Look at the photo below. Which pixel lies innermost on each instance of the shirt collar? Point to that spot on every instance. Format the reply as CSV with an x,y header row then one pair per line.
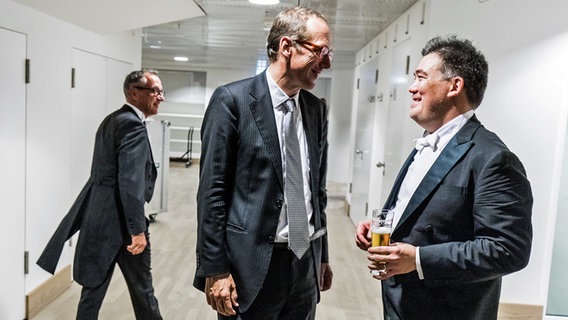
x,y
450,128
277,95
139,113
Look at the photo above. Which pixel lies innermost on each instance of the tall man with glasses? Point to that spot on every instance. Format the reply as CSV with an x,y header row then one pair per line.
x,y
262,244
109,211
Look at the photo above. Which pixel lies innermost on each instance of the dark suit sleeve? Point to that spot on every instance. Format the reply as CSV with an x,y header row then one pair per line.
x,y
501,219
133,152
322,191
217,170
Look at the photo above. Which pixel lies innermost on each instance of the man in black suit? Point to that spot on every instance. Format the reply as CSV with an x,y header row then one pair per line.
x,y
109,211
462,202
244,202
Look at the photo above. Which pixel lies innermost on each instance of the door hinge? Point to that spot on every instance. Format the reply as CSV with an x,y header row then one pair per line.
x,y
27,72
376,76
350,186
26,262
72,78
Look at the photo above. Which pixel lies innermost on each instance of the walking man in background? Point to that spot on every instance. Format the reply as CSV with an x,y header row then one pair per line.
x,y
109,211
462,202
262,245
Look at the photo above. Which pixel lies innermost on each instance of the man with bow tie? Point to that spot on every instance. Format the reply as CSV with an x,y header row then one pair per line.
x,y
462,202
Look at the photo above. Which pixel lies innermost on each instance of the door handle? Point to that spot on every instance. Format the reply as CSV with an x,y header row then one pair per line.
x,y
359,151
382,165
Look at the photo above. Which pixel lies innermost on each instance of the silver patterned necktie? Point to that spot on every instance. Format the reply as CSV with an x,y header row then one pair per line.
x,y
294,186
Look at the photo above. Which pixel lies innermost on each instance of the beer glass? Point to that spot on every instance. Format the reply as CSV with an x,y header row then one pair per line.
x,y
381,225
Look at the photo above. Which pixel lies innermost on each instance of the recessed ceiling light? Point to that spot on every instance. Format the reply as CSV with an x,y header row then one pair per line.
x,y
181,59
155,47
264,2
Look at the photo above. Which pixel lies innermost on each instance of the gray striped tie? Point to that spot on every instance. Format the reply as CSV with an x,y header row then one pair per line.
x,y
294,186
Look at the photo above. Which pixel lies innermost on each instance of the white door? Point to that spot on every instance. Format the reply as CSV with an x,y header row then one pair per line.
x,y
92,99
12,173
400,129
364,127
378,168
88,96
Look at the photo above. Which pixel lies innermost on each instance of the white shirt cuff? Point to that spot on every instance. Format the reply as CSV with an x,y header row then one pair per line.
x,y
418,266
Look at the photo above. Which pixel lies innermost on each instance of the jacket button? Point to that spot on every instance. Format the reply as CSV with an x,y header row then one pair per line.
x,y
278,204
271,239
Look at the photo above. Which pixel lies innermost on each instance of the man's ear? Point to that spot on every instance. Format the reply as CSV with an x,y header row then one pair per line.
x,y
286,45
456,86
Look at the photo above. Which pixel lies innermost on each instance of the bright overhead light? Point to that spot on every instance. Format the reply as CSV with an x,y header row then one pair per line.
x,y
181,59
264,2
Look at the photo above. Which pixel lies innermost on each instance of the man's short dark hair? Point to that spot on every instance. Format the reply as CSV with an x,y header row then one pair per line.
x,y
291,23
136,77
460,58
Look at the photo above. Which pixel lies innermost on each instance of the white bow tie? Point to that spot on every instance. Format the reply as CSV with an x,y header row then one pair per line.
x,y
428,141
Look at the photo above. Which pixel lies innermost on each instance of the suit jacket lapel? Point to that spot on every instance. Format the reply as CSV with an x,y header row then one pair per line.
x,y
309,122
452,153
263,114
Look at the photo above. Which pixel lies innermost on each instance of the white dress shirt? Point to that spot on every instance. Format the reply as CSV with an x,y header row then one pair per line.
x,y
278,97
423,161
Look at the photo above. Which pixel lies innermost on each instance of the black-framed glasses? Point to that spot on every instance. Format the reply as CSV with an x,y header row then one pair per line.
x,y
318,51
155,91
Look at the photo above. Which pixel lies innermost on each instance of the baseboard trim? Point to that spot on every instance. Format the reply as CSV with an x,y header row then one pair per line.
x,y
48,291
521,311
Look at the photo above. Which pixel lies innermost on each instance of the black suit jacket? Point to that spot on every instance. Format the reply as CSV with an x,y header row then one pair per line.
x,y
471,218
241,192
110,207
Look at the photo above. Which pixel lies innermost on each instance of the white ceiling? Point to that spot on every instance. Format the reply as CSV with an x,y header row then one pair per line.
x,y
112,16
233,33
221,34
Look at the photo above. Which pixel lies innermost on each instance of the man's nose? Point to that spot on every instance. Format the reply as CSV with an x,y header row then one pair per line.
x,y
325,62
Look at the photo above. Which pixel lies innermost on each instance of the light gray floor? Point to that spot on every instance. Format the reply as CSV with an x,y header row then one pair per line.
x,y
354,294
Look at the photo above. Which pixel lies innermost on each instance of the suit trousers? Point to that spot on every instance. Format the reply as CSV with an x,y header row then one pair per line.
x,y
137,274
288,292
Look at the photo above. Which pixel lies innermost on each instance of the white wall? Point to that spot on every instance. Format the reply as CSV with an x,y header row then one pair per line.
x,y
48,144
339,153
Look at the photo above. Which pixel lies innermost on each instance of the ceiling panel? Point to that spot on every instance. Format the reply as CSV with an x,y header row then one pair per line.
x,y
233,33
112,16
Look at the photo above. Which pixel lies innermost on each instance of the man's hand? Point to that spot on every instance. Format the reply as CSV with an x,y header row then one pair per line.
x,y
326,276
398,258
363,236
221,294
138,244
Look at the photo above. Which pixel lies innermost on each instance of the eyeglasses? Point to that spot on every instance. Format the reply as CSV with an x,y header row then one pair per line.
x,y
318,51
155,91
